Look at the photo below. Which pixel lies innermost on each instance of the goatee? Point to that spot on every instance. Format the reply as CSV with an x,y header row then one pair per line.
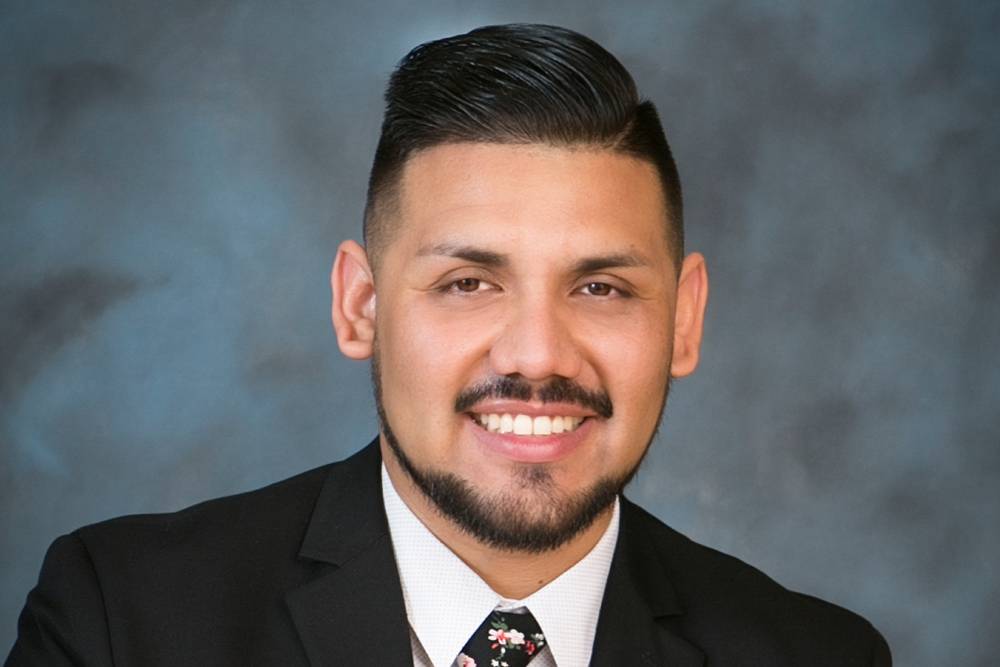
x,y
534,516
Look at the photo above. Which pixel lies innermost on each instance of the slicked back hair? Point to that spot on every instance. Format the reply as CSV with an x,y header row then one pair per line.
x,y
514,84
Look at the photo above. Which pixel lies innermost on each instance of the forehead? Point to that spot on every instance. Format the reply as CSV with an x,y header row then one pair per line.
x,y
529,194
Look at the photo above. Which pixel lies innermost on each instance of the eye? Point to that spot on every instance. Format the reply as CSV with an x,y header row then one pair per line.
x,y
599,289
468,285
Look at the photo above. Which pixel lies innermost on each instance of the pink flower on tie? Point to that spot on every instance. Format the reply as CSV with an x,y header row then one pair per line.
x,y
465,661
499,637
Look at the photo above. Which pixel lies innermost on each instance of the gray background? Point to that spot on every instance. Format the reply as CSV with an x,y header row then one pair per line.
x,y
174,179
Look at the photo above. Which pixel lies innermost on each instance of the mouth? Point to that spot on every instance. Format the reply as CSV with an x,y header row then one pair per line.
x,y
529,433
526,425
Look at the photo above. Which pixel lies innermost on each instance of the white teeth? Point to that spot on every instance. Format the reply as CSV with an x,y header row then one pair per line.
x,y
522,425
526,424
506,424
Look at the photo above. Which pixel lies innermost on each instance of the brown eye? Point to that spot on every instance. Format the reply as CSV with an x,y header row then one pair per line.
x,y
599,289
467,284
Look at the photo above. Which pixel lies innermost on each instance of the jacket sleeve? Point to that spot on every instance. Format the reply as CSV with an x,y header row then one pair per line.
x,y
63,621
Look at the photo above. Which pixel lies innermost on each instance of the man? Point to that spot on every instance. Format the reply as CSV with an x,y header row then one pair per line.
x,y
525,300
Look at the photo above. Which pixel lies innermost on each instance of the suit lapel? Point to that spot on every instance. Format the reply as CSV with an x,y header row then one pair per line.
x,y
640,608
352,611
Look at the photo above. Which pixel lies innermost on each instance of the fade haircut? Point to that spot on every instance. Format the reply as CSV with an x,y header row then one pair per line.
x,y
514,84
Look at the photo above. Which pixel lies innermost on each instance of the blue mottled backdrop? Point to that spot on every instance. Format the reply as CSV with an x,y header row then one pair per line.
x,y
175,177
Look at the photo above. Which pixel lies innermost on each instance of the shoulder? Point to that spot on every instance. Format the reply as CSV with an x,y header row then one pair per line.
x,y
222,539
275,515
257,536
130,586
730,604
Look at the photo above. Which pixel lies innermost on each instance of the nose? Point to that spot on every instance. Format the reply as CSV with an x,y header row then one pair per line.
x,y
536,341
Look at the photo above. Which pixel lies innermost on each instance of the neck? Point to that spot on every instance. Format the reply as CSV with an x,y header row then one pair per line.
x,y
512,574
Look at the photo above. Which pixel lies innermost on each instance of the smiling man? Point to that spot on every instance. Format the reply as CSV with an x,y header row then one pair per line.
x,y
525,299
524,329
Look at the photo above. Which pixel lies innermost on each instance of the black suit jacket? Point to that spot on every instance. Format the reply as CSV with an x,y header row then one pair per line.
x,y
302,573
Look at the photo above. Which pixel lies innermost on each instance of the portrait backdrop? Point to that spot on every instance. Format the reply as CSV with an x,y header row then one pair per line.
x,y
175,178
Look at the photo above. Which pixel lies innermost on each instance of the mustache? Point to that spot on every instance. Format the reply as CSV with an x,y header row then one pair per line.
x,y
556,390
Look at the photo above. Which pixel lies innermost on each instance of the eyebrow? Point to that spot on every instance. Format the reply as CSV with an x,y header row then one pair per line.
x,y
591,264
466,252
498,260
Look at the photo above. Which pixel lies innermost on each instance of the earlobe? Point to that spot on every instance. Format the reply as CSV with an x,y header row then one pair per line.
x,y
689,316
353,310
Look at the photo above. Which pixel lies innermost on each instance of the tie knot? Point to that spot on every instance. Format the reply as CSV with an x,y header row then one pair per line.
x,y
505,639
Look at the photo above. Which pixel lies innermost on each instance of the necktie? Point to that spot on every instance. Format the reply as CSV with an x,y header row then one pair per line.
x,y
505,639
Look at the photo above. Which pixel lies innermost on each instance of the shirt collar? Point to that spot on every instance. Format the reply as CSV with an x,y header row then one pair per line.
x,y
446,601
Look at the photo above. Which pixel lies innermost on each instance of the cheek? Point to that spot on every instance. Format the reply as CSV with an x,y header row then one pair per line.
x,y
634,364
637,340
427,359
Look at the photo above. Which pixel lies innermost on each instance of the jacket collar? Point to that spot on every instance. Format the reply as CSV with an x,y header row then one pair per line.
x,y
641,607
352,611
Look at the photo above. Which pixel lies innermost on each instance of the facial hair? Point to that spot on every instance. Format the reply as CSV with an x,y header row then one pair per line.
x,y
538,517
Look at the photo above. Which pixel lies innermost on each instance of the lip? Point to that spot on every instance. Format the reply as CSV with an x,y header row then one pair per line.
x,y
533,448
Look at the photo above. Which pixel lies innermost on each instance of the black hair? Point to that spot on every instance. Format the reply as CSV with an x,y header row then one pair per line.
x,y
514,84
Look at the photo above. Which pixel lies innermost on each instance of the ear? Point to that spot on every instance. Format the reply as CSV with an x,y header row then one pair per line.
x,y
689,315
353,286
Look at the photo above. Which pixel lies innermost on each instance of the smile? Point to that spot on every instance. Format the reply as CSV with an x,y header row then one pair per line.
x,y
526,424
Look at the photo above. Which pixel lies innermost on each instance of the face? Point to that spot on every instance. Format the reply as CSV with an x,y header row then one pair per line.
x,y
523,323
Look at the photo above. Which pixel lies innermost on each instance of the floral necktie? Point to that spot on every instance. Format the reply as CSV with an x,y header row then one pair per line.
x,y
505,639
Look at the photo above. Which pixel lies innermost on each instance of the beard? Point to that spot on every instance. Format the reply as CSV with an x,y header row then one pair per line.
x,y
530,515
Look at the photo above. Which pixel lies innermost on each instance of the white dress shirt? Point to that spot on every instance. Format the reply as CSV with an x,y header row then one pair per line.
x,y
446,601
